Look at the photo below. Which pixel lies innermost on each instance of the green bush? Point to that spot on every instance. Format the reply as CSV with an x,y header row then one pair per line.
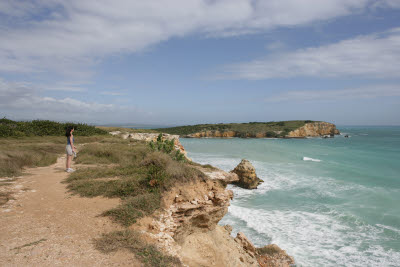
x,y
167,146
9,128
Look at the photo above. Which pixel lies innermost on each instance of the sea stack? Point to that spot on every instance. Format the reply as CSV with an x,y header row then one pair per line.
x,y
247,175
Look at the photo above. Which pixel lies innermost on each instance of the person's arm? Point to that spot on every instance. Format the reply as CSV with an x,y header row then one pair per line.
x,y
71,141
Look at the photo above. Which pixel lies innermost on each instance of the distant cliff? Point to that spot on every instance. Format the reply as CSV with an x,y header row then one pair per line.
x,y
315,129
282,129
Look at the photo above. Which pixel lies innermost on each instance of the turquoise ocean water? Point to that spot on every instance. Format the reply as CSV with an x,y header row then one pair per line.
x,y
327,202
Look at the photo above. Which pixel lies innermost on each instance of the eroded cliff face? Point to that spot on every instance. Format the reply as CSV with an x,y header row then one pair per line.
x,y
187,226
315,129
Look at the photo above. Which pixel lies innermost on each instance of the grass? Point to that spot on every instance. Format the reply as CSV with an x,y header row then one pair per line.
x,y
125,169
242,129
132,241
35,151
136,174
134,208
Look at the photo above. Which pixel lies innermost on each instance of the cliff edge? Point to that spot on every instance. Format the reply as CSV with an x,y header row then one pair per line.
x,y
282,129
315,129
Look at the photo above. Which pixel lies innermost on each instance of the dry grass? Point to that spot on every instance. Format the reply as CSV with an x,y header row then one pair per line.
x,y
132,241
37,151
142,174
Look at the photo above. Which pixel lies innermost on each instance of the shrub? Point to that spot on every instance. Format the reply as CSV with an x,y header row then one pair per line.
x,y
271,134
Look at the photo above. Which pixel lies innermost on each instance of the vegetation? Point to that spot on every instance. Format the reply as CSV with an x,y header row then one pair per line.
x,y
138,174
22,152
111,167
167,146
133,172
9,128
270,129
128,239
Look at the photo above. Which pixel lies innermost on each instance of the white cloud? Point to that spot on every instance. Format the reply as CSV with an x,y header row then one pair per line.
x,y
70,36
367,92
20,101
373,56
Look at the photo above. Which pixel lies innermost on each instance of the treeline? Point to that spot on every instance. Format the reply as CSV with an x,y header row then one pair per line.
x,y
10,128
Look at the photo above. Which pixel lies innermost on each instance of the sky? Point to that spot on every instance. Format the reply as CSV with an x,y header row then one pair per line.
x,y
181,62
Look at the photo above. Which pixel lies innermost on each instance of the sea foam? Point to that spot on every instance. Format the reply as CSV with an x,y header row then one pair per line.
x,y
311,159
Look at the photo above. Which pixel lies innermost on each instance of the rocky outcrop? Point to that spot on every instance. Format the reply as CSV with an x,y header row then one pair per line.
x,y
220,175
272,255
225,134
187,226
314,129
247,175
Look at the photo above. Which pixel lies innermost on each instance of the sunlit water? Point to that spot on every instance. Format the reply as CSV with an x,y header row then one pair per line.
x,y
339,207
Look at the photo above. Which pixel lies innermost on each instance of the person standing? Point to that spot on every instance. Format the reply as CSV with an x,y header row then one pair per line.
x,y
70,148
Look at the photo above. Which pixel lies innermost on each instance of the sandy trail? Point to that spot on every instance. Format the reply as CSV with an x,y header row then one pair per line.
x,y
47,226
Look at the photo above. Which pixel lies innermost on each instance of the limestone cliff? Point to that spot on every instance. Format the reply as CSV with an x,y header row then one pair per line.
x,y
315,129
312,129
187,226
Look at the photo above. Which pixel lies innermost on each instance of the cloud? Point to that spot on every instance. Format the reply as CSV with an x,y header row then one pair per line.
x,y
69,37
372,56
23,102
368,92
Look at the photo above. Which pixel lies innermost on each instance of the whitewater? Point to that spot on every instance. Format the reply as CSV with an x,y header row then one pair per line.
x,y
327,202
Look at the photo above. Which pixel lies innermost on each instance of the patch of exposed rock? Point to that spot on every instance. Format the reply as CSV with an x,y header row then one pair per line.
x,y
218,174
247,175
314,129
272,255
187,226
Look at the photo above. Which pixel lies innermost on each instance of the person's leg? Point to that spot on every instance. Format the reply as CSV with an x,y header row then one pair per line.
x,y
69,161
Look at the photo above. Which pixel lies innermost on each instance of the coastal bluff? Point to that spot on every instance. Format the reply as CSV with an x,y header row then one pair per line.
x,y
281,129
186,226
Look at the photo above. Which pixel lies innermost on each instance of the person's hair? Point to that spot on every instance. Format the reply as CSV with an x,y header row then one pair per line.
x,y
68,130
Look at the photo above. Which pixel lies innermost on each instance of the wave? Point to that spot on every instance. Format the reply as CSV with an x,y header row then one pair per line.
x,y
311,159
389,228
316,239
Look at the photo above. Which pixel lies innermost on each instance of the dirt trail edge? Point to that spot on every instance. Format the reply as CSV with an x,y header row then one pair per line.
x,y
46,226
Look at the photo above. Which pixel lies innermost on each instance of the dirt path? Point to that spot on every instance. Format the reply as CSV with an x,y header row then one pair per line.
x,y
46,226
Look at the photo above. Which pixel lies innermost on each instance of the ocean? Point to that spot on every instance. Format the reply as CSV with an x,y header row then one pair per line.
x,y
327,202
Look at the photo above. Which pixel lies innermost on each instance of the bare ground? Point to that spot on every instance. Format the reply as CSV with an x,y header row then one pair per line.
x,y
44,225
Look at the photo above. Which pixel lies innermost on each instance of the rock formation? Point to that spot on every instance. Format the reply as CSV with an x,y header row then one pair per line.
x,y
312,129
247,175
315,129
187,227
272,255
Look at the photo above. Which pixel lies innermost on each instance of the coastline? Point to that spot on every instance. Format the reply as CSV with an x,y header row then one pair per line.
x,y
187,225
